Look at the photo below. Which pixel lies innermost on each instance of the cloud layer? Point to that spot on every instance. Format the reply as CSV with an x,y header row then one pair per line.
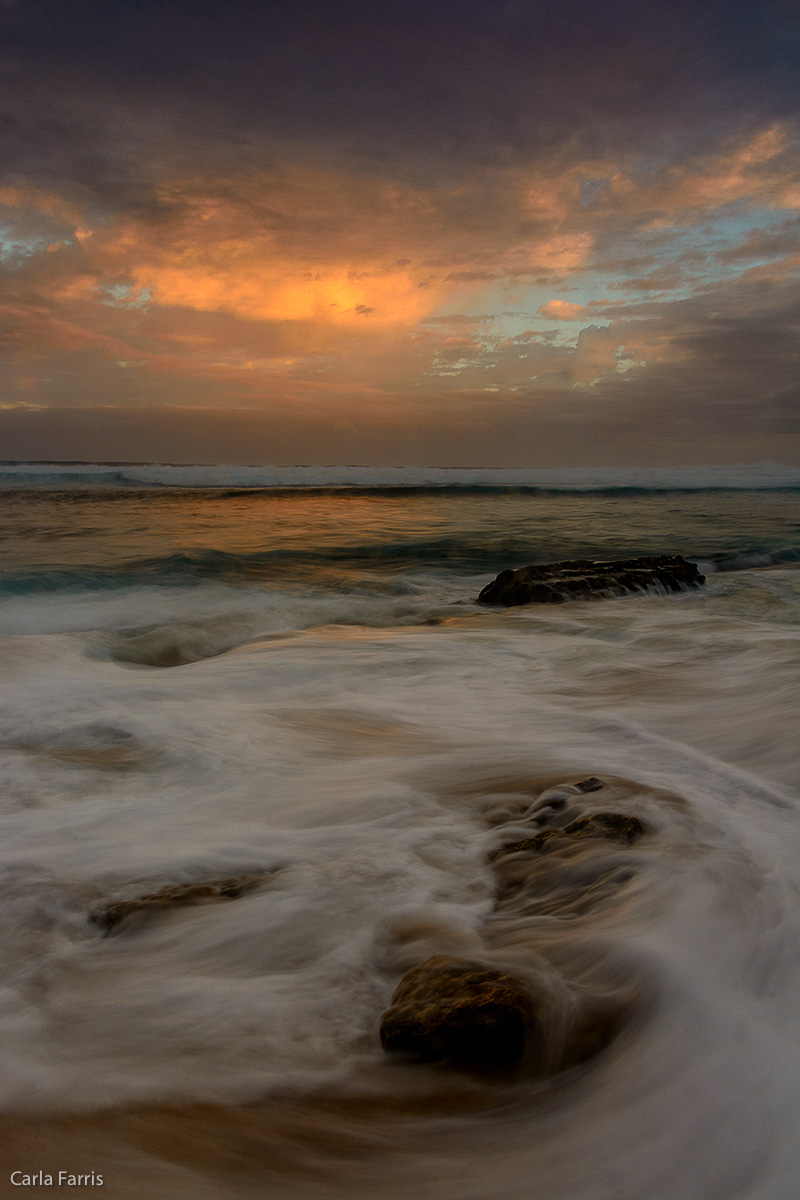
x,y
457,234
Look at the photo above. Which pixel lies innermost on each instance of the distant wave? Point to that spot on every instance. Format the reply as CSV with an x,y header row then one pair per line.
x,y
78,476
748,559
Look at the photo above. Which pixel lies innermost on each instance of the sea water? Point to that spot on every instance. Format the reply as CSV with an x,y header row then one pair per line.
x,y
217,672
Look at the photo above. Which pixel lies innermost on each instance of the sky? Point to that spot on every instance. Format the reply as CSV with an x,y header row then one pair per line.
x,y
529,233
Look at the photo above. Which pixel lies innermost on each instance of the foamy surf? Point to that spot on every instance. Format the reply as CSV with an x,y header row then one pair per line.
x,y
363,749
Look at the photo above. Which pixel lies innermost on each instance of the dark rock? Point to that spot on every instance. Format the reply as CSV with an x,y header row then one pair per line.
x,y
613,827
576,579
592,784
449,1008
177,896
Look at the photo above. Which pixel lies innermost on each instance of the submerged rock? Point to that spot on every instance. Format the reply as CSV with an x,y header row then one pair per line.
x,y
450,1008
179,895
611,826
581,578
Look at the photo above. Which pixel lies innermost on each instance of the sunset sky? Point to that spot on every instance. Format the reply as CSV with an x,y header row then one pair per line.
x,y
450,233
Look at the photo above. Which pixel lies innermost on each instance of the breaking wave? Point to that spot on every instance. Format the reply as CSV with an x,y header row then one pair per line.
x,y
82,475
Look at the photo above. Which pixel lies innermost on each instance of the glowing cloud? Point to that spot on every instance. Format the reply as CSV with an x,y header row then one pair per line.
x,y
561,310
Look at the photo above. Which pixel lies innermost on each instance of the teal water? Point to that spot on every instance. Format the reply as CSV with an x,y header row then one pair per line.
x,y
58,539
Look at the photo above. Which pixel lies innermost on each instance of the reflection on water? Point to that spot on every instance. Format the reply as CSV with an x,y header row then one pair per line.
x,y
298,531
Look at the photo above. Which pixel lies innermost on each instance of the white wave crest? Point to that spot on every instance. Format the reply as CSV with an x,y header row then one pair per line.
x,y
764,475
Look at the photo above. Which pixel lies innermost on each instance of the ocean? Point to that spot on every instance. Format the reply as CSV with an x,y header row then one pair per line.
x,y
214,673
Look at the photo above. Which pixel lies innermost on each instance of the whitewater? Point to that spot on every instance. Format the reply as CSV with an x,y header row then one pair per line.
x,y
218,672
137,475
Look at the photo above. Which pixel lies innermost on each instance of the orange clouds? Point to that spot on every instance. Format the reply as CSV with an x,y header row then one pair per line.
x,y
563,253
313,280
762,169
300,246
270,290
561,310
344,266
50,204
752,171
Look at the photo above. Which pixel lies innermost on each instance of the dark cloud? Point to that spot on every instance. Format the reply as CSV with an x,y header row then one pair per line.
x,y
105,94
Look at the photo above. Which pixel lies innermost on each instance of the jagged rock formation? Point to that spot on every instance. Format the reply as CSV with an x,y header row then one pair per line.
x,y
561,1010
580,578
179,895
614,827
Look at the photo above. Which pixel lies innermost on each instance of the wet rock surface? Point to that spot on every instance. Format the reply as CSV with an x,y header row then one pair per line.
x,y
461,1011
577,861
578,579
108,916
563,1001
614,827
